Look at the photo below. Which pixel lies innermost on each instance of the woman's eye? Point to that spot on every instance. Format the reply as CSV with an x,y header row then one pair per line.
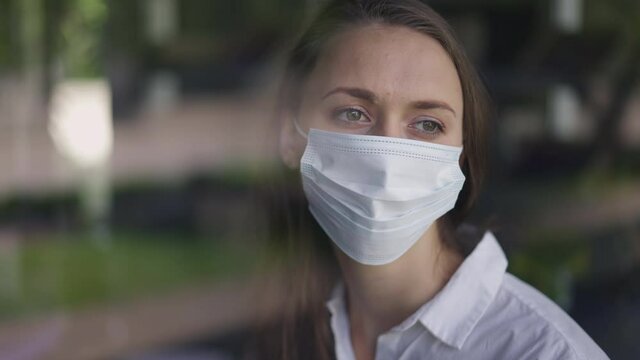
x,y
350,115
428,126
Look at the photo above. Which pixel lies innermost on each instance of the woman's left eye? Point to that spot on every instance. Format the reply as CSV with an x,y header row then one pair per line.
x,y
430,127
351,115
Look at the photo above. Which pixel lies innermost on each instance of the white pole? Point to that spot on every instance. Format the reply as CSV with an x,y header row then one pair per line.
x,y
567,15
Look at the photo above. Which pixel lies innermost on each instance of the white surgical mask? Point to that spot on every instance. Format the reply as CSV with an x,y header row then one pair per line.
x,y
375,196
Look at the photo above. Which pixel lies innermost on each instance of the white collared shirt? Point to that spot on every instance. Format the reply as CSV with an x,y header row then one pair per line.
x,y
482,313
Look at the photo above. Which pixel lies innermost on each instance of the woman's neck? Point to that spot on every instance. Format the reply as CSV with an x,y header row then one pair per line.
x,y
380,297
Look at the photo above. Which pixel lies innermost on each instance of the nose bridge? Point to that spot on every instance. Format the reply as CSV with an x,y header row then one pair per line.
x,y
387,126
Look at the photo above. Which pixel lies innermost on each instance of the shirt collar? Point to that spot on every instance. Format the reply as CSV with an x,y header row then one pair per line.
x,y
452,314
340,323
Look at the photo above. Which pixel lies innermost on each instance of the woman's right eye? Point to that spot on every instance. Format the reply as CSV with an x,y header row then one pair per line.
x,y
350,115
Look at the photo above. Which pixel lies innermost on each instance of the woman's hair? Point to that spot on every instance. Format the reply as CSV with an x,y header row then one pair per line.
x,y
306,332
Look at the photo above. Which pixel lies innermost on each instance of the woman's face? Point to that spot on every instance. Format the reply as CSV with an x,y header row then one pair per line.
x,y
383,80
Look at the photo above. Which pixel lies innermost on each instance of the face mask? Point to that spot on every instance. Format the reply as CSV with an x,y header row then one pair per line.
x,y
375,196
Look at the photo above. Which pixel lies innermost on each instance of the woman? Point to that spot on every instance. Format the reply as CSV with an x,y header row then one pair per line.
x,y
384,117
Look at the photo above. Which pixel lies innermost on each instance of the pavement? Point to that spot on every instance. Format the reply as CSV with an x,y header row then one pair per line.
x,y
137,327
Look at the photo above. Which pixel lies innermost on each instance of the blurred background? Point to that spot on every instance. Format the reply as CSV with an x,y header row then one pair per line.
x,y
136,142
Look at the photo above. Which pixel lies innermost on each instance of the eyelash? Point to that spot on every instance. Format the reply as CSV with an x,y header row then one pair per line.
x,y
438,131
341,111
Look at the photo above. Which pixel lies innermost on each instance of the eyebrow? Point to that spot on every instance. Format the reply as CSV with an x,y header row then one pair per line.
x,y
369,96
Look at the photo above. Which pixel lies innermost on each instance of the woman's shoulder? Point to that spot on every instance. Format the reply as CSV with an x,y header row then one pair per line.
x,y
529,322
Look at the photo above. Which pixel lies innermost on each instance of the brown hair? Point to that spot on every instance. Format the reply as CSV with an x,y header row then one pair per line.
x,y
306,332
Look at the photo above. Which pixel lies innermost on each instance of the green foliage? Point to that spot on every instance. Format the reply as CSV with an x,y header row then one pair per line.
x,y
125,19
550,262
611,14
237,18
5,33
72,271
81,32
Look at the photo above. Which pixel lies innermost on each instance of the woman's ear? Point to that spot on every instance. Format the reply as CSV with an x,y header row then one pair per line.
x,y
291,144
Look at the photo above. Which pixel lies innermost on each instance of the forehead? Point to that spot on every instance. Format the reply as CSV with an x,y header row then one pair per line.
x,y
394,62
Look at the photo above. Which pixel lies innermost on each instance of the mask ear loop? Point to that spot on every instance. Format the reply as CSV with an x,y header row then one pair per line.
x,y
298,128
